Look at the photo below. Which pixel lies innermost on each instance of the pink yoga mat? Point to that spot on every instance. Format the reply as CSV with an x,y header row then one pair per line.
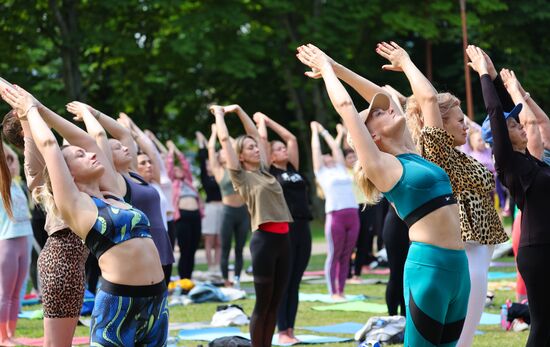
x,y
382,271
39,341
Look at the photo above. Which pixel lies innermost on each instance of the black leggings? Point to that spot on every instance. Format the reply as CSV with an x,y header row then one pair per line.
x,y
188,231
235,221
371,220
271,264
396,238
533,266
300,251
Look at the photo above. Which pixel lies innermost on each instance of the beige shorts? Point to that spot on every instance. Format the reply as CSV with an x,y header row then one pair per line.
x,y
212,221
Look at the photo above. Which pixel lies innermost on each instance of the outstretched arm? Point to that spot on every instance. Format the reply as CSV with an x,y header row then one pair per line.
x,y
526,117
423,91
333,144
317,155
68,198
215,165
223,136
261,124
156,141
382,169
119,132
249,128
146,145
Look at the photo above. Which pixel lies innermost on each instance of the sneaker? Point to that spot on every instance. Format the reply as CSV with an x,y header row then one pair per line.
x,y
519,325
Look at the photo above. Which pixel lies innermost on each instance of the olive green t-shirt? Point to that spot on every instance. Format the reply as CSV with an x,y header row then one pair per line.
x,y
263,195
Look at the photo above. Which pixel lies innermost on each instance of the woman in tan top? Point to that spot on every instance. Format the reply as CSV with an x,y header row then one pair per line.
x,y
270,216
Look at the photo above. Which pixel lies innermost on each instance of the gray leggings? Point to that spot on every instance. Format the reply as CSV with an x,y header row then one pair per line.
x,y
235,221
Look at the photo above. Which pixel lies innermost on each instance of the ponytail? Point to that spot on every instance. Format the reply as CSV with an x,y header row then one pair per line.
x,y
43,196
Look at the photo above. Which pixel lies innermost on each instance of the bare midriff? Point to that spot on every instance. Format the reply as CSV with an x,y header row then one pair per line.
x,y
188,203
135,262
233,200
440,228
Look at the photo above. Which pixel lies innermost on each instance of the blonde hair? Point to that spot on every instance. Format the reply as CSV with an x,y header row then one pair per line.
x,y
239,143
43,196
415,119
372,194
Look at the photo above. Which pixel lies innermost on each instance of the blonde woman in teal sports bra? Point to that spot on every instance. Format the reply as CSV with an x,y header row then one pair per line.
x,y
436,276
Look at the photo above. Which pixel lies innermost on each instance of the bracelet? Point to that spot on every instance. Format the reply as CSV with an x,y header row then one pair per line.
x,y
24,116
526,96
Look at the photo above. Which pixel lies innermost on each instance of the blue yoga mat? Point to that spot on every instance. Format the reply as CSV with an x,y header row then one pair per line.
x,y
501,275
341,328
326,298
210,334
489,318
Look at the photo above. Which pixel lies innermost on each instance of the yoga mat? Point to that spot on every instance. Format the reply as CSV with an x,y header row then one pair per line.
x,y
314,273
311,339
36,314
490,318
189,326
377,272
360,306
326,298
502,264
341,328
32,301
501,275
39,341
210,334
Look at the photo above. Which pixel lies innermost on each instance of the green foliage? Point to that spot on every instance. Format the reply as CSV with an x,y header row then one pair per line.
x,y
165,61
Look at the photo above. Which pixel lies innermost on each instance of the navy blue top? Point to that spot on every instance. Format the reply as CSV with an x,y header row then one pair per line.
x,y
208,182
146,198
115,225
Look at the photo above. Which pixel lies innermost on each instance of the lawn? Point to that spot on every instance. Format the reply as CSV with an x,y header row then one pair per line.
x,y
493,335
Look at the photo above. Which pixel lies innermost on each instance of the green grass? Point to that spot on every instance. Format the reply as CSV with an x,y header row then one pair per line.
x,y
493,336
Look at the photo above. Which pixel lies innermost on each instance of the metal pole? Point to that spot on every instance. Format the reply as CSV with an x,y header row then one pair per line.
x,y
469,102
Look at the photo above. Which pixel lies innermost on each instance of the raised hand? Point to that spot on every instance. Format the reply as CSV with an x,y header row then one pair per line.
x,y
314,127
79,109
216,109
477,60
20,100
231,108
490,66
510,80
314,58
394,53
258,117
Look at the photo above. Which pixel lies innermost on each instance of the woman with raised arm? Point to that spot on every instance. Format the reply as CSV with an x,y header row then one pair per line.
x,y
473,186
188,212
61,261
213,210
342,218
235,218
130,307
15,228
285,164
269,246
151,167
436,276
135,190
528,180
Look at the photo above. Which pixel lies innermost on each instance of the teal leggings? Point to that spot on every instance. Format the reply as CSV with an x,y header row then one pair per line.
x,y
436,290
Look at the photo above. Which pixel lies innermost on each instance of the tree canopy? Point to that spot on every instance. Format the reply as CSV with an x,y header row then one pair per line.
x,y
163,62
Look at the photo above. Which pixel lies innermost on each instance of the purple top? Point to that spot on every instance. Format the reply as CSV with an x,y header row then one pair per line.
x,y
146,198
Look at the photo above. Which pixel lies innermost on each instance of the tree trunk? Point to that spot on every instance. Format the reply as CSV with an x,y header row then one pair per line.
x,y
67,22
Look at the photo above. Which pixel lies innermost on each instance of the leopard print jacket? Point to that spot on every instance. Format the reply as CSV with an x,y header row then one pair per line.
x,y
473,186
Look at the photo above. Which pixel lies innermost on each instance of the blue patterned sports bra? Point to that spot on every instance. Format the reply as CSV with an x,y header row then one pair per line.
x,y
115,225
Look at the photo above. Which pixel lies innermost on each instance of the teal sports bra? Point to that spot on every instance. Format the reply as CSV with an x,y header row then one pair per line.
x,y
423,188
115,225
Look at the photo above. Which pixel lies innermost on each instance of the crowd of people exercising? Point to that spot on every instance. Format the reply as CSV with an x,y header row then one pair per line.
x,y
413,171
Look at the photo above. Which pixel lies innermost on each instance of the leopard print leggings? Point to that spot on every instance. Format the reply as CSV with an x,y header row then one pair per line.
x,y
61,273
